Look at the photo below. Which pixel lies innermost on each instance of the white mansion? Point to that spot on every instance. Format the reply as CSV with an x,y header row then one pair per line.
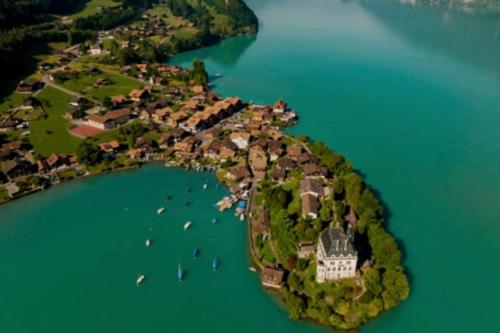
x,y
335,256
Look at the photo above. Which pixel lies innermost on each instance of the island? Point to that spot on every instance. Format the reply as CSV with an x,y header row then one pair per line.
x,y
104,99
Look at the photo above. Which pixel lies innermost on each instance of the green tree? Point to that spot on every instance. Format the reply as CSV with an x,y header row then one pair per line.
x,y
198,74
396,288
88,153
372,281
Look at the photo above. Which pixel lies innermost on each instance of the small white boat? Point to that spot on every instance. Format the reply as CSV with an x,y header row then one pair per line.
x,y
252,269
148,242
187,225
140,279
205,186
160,210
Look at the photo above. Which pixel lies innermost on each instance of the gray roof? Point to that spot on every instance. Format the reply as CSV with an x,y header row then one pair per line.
x,y
311,185
336,243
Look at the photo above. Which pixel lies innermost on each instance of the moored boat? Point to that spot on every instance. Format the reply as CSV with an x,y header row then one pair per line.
x,y
160,210
214,220
148,242
215,264
140,280
187,225
196,252
205,186
180,273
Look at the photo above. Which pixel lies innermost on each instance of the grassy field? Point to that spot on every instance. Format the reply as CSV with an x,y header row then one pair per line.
x,y
84,84
50,135
93,7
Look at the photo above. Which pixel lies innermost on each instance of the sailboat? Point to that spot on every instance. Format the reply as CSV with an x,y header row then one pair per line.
x,y
215,264
180,273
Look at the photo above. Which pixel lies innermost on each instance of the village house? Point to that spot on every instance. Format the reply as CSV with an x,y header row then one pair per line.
x,y
56,161
275,150
238,173
198,89
278,175
257,158
315,170
15,168
294,151
285,163
29,103
81,102
109,120
7,125
279,107
29,86
138,95
310,191
95,50
336,257
305,249
241,139
175,119
118,101
136,154
260,220
74,113
110,147
161,116
187,145
272,277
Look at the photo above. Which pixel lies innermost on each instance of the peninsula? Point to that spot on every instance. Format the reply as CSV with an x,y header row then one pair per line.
x,y
103,99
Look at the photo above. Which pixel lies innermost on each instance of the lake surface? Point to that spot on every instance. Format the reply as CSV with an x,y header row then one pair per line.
x,y
411,95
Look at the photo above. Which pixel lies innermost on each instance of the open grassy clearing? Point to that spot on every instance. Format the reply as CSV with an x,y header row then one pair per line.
x,y
93,7
50,135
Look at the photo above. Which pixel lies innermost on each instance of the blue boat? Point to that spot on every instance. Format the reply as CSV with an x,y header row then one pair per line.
x,y
180,273
215,264
196,252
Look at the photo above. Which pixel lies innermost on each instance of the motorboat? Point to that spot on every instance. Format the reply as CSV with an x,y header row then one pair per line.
x,y
160,210
140,280
187,225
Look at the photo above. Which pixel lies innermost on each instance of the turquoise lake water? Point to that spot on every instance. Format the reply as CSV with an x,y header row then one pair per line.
x,y
411,95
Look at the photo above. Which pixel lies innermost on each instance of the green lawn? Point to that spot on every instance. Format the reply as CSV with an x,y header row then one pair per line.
x,y
50,135
121,85
92,7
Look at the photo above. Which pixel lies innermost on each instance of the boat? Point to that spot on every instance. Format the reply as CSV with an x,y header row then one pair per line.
x,y
214,220
242,217
148,242
187,225
180,273
140,280
168,197
218,74
252,269
189,189
196,252
205,186
160,210
215,264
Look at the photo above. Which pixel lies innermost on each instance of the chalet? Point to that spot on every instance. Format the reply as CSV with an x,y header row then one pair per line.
x,y
119,101
241,139
311,186
74,113
214,133
274,134
176,118
136,154
161,116
275,150
309,205
29,86
138,95
278,175
285,163
143,68
41,166
305,249
95,50
109,147
80,102
190,106
145,143
227,150
12,146
257,158
294,151
55,161
152,107
315,170
279,107
125,44
260,220
15,168
29,103
238,173
187,145
272,277
109,120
